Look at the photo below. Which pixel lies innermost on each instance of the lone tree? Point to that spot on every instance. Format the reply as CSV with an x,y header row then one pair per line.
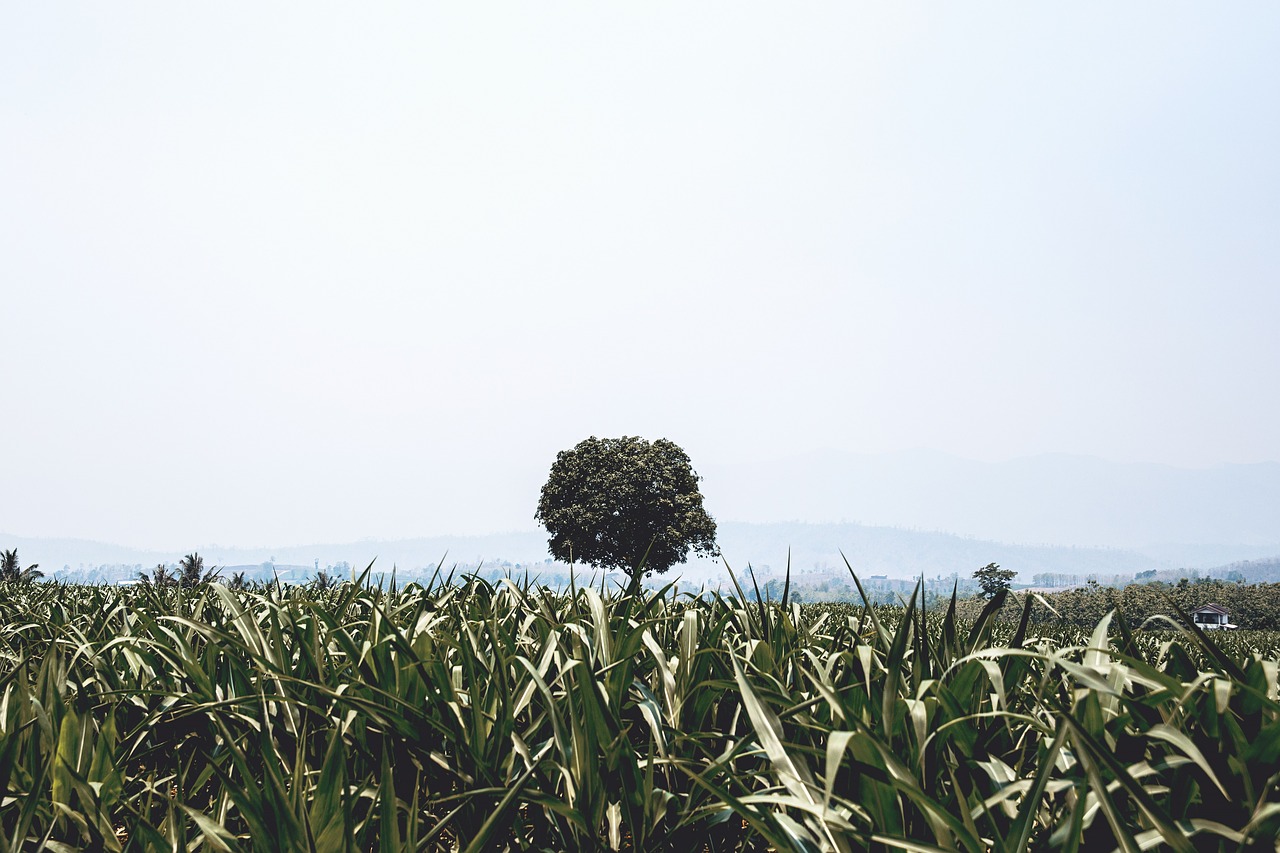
x,y
625,503
992,579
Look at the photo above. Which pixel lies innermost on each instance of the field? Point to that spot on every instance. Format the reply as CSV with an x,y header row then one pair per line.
x,y
478,716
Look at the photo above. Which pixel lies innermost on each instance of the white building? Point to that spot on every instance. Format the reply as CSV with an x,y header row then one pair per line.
x,y
1212,617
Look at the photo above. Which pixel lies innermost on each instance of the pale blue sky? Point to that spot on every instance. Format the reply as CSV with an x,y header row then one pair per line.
x,y
283,274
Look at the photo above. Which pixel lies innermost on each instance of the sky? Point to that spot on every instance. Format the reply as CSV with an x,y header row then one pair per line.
x,y
281,275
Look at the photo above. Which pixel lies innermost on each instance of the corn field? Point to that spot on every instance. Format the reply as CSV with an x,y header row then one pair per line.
x,y
476,716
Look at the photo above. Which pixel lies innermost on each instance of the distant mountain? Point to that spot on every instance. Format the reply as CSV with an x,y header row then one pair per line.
x,y
895,552
899,514
1251,571
1053,499
55,554
910,553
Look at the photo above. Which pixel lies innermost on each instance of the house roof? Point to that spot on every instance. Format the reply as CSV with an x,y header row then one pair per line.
x,y
1211,608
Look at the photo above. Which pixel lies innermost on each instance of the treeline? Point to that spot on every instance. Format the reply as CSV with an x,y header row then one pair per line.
x,y
1252,606
1064,579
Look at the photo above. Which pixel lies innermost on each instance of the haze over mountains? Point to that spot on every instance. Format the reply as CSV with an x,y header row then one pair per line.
x,y
901,514
1058,499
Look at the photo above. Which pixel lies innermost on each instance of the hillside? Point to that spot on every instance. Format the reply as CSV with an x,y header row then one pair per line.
x,y
1185,516
1250,571
891,551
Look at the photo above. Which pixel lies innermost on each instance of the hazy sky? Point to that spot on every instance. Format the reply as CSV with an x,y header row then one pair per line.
x,y
284,274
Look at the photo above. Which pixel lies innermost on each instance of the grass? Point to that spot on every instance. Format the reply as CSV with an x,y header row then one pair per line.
x,y
501,716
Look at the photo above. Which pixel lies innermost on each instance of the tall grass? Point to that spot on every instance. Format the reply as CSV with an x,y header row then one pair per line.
x,y
477,716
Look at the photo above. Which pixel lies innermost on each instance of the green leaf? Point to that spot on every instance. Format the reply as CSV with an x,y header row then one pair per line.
x,y
328,810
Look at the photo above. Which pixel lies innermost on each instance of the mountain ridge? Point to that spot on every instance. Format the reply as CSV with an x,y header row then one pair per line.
x,y
1049,498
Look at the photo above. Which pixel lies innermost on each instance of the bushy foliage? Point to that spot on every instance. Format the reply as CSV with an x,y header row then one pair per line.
x,y
992,579
625,503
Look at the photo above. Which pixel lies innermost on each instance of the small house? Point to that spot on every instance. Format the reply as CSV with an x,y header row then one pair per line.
x,y
1212,617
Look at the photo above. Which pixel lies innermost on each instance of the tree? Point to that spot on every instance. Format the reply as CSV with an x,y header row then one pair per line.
x,y
191,571
11,568
625,503
160,576
992,579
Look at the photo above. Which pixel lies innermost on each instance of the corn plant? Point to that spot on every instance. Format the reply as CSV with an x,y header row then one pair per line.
x,y
468,715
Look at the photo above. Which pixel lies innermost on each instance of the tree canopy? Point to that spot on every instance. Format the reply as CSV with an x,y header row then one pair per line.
x,y
992,579
625,503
